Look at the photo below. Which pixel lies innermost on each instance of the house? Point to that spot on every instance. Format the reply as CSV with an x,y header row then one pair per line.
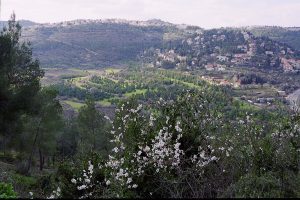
x,y
286,64
222,58
210,67
224,82
221,67
269,53
281,93
261,100
243,48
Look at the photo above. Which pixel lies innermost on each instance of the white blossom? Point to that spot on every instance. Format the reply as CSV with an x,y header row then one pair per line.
x,y
73,181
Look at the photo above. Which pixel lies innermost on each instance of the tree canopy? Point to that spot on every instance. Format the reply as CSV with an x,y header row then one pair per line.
x,y
20,74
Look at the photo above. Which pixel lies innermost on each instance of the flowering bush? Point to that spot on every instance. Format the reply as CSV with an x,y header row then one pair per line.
x,y
188,148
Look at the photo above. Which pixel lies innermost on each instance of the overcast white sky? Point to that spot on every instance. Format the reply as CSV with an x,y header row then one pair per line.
x,y
204,13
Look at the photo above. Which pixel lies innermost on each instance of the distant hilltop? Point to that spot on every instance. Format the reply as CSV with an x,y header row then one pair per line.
x,y
150,22
24,23
87,43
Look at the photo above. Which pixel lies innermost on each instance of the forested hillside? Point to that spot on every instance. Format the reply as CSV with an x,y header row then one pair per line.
x,y
289,35
92,43
100,43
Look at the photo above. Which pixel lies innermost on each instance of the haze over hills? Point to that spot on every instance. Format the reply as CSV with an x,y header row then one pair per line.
x,y
24,23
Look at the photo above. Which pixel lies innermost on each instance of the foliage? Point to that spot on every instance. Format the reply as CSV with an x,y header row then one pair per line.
x,y
7,191
19,79
176,149
171,135
91,124
252,186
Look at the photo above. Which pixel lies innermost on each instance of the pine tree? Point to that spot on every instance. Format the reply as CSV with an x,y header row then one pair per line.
x,y
20,76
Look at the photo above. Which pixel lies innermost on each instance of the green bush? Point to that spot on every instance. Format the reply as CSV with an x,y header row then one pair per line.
x,y
7,191
25,182
253,186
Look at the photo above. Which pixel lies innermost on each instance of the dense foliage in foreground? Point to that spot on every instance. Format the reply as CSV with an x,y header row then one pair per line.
x,y
189,148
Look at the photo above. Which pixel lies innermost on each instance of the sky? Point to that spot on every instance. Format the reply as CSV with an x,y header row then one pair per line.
x,y
203,13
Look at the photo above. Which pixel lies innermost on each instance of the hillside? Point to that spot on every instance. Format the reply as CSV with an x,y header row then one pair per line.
x,y
195,113
289,35
229,55
23,23
100,43
218,49
96,43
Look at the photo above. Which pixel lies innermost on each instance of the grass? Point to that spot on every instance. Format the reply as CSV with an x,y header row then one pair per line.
x,y
245,105
256,91
105,102
55,75
188,84
26,181
74,105
248,106
112,70
136,92
78,81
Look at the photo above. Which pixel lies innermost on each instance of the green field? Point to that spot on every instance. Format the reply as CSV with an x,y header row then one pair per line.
x,y
73,104
105,102
136,92
125,79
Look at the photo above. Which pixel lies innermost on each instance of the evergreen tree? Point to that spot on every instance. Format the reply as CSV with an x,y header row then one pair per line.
x,y
44,126
92,125
19,80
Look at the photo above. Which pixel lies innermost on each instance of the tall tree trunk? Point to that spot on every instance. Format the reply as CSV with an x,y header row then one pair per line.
x,y
94,138
48,161
4,144
42,160
33,148
5,139
53,160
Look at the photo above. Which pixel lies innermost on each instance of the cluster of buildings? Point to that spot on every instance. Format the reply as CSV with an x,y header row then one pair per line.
x,y
208,51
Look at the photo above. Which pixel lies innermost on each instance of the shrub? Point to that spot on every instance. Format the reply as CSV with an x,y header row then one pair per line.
x,y
252,186
7,191
189,148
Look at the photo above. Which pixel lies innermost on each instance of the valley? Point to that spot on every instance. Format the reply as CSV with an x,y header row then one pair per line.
x,y
148,109
108,86
260,70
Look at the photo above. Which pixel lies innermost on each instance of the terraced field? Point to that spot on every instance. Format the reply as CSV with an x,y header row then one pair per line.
x,y
110,85
113,84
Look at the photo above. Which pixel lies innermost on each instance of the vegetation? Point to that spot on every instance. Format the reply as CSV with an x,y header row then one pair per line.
x,y
172,133
286,35
6,191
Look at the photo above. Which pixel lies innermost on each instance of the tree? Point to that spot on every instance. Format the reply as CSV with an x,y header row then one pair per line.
x,y
44,126
20,78
67,141
91,124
